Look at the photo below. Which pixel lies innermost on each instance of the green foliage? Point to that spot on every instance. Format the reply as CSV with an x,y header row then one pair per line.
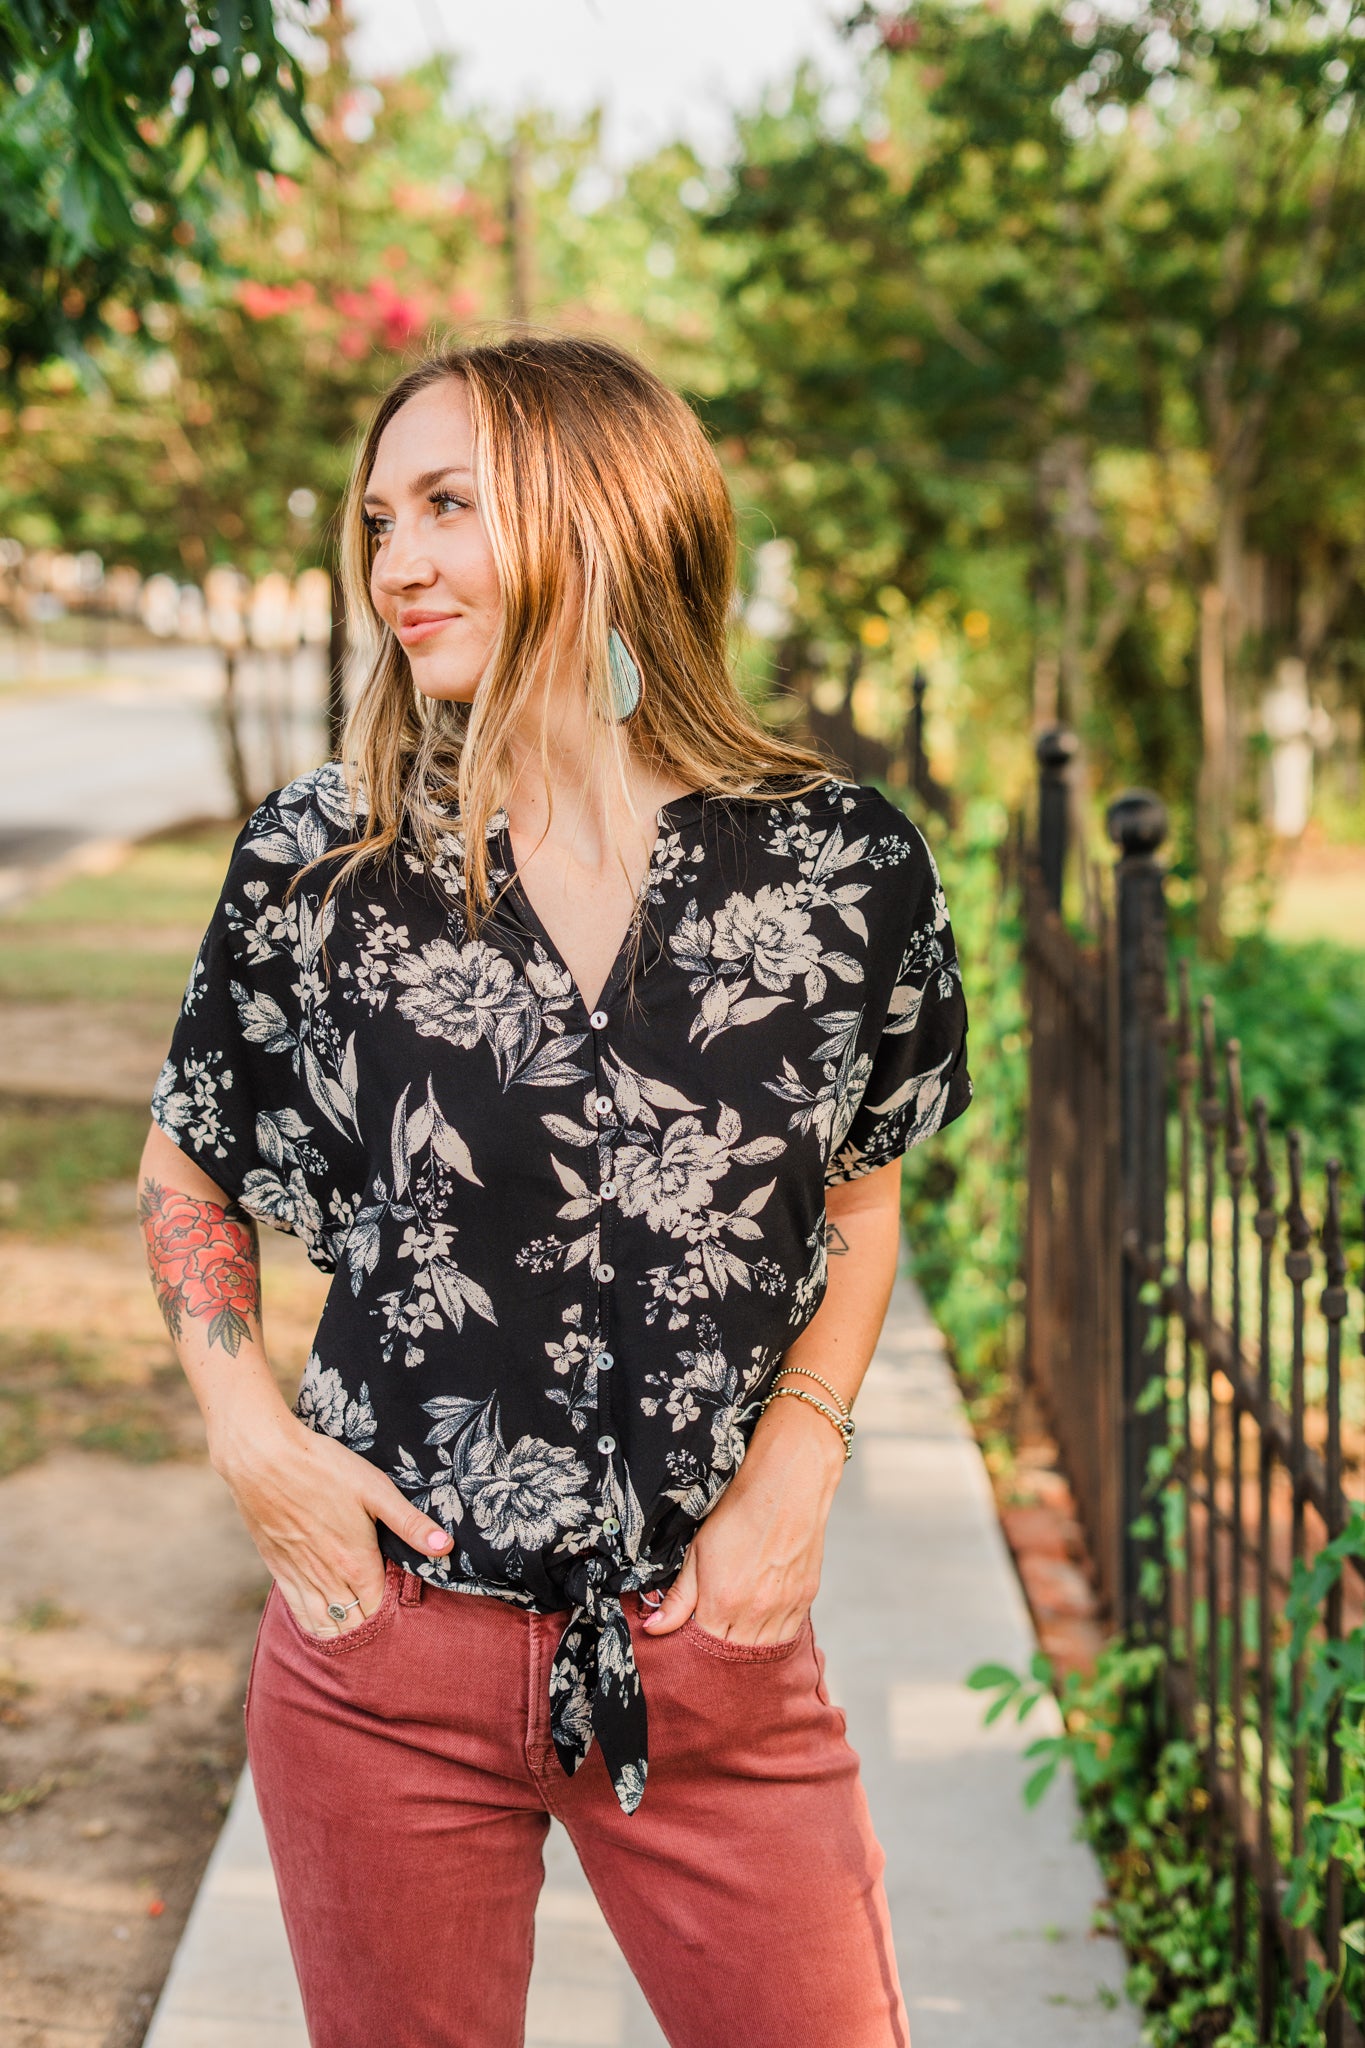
x,y
1061,327
1145,1808
120,124
1298,1012
54,1393
963,1195
55,1158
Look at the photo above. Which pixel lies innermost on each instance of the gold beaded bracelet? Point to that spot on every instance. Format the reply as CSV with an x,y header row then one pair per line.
x,y
843,1423
806,1373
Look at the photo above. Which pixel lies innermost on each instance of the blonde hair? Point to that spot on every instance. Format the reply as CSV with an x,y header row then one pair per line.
x,y
597,486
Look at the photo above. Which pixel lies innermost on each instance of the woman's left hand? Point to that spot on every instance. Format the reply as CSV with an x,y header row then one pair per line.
x,y
752,1570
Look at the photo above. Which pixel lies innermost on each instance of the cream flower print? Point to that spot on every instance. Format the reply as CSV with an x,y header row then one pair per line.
x,y
457,992
324,1404
770,934
669,1186
534,1492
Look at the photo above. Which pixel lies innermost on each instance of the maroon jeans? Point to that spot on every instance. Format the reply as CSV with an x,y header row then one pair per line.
x,y
406,1778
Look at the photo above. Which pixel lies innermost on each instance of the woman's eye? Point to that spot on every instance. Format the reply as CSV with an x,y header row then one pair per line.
x,y
440,499
376,524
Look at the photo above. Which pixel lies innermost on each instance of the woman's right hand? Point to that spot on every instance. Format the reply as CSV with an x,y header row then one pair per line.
x,y
309,1503
310,1506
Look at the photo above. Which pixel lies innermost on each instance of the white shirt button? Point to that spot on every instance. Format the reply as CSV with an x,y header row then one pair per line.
x,y
606,1443
605,1273
598,1020
608,1189
602,1360
611,1525
603,1105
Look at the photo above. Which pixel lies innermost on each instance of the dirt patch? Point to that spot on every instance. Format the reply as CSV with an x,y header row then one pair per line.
x,y
131,1591
128,1611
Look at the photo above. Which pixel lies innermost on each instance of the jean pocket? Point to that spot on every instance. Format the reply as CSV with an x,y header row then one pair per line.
x,y
338,1645
743,1653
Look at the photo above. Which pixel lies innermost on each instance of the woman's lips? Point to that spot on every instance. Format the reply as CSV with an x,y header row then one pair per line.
x,y
421,627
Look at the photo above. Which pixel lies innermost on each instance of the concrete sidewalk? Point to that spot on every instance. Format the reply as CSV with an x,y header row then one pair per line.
x,y
992,1904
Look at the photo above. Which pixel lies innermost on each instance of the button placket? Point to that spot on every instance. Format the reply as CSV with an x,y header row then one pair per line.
x,y
604,1272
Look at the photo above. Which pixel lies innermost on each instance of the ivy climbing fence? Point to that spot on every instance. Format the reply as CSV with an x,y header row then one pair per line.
x,y
1191,1340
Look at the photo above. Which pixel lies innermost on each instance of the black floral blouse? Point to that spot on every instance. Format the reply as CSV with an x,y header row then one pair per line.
x,y
571,1248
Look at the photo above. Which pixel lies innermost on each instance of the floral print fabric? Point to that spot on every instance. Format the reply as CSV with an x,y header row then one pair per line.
x,y
570,1249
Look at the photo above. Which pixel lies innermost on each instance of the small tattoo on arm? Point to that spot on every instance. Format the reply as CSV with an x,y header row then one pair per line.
x,y
835,1241
203,1262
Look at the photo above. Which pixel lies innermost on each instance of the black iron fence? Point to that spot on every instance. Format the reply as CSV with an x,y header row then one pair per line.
x,y
1188,1332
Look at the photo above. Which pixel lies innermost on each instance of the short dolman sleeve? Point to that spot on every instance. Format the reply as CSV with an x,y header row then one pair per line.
x,y
910,1078
259,1085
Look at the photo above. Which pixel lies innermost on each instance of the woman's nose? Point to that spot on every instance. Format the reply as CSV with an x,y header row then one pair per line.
x,y
403,564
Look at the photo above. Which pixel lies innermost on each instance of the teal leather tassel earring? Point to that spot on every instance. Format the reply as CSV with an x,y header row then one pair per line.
x,y
625,676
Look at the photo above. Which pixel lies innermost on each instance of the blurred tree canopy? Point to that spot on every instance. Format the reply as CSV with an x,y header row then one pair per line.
x,y
121,122
1044,365
1069,330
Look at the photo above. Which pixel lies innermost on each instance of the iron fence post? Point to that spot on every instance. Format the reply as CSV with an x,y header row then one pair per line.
x,y
1136,823
1056,749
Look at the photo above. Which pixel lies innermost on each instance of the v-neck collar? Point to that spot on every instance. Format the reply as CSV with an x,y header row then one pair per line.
x,y
679,810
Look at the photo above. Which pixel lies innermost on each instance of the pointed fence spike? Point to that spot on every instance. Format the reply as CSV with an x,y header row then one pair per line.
x,y
1333,1244
1263,1172
1300,1229
1208,1051
1236,1123
1210,1102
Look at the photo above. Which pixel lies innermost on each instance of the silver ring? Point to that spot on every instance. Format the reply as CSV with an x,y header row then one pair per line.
x,y
338,1612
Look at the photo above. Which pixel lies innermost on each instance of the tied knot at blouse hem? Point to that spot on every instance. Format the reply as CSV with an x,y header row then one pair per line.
x,y
570,1248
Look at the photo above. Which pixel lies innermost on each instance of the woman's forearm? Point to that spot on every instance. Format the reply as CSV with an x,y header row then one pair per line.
x,y
863,1219
204,1260
310,1503
753,1568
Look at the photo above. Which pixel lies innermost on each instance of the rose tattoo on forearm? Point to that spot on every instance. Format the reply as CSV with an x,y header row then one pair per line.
x,y
203,1262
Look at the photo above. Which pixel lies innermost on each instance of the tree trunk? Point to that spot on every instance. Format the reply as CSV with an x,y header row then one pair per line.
x,y
1212,823
232,737
1076,523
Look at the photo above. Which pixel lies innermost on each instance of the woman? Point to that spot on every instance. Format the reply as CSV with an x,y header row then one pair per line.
x,y
573,1026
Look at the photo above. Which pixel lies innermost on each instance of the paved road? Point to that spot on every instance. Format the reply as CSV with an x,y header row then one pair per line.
x,y
136,748
991,1903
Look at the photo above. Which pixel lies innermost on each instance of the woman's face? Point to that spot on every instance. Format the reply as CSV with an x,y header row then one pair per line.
x,y
432,576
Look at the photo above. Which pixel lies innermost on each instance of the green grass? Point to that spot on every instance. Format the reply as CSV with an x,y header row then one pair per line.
x,y
46,971
53,1393
54,1160
128,936
164,882
1298,1011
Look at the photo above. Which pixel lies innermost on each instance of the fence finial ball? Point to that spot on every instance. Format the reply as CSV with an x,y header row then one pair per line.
x,y
1055,746
1136,821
